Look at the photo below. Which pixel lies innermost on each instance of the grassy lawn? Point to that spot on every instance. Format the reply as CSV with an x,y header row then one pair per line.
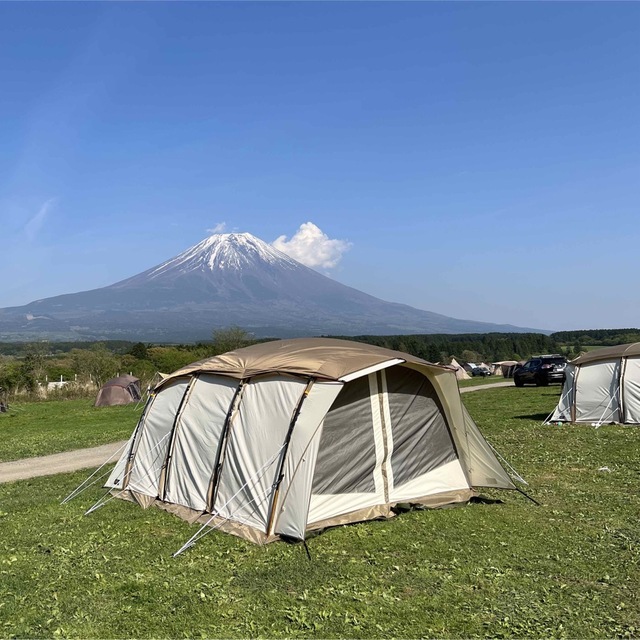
x,y
568,568
39,428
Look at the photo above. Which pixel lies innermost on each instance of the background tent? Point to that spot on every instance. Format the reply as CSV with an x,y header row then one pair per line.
x,y
461,374
120,390
505,368
602,386
282,437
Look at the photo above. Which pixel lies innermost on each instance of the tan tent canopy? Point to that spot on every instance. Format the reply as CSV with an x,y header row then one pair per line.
x,y
121,390
607,353
283,437
325,358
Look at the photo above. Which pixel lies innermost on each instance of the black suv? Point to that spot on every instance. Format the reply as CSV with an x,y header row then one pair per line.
x,y
541,370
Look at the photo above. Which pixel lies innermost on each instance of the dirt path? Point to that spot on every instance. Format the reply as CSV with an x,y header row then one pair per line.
x,y
491,385
87,458
58,462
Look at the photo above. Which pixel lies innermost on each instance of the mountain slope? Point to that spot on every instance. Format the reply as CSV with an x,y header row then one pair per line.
x,y
227,279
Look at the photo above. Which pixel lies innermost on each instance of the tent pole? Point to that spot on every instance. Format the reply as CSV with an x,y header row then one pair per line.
x,y
621,387
212,488
166,467
135,439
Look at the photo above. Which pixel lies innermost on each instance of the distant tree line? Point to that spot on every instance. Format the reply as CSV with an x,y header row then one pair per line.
x,y
469,347
26,366
598,337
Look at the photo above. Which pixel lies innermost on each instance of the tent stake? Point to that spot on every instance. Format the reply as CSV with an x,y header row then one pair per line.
x,y
306,548
526,495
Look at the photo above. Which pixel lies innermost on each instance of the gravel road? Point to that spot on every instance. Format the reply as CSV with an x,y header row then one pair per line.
x,y
58,462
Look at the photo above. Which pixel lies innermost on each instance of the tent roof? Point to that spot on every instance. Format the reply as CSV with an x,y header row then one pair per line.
x,y
121,381
608,353
326,358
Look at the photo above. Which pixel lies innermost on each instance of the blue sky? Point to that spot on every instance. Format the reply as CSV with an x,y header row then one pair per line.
x,y
480,160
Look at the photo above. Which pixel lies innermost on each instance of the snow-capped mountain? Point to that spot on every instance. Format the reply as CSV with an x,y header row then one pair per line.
x,y
228,251
227,279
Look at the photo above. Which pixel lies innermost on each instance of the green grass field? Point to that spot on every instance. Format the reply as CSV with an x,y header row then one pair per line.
x,y
568,568
39,428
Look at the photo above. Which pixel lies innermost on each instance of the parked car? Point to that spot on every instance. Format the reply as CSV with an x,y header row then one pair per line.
x,y
480,371
541,371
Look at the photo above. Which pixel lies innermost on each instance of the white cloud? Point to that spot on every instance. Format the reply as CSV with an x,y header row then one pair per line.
x,y
34,224
311,246
219,227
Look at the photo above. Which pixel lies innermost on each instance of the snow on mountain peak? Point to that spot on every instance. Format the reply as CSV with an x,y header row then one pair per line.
x,y
225,251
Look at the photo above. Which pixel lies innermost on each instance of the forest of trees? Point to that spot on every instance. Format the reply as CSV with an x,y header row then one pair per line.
x,y
471,347
24,367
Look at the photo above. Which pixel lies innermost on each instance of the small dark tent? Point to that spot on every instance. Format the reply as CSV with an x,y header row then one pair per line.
x,y
120,390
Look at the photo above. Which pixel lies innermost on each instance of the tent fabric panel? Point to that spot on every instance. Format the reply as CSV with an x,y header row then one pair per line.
x,y
154,439
122,381
446,386
378,511
134,391
113,396
197,440
372,369
442,479
421,438
483,468
477,459
597,393
295,490
118,477
387,468
257,433
347,453
376,398
631,391
562,412
329,506
197,517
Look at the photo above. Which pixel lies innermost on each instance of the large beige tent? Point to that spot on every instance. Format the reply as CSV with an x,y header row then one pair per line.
x,y
602,386
279,438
